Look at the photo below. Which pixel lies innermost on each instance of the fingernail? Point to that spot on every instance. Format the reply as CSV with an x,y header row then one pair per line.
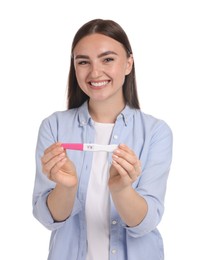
x,y
115,156
62,155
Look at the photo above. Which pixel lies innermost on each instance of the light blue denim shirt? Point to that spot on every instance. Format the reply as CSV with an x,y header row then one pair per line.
x,y
150,139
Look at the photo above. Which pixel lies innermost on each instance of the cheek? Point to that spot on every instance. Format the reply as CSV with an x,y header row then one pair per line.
x,y
122,68
118,74
80,75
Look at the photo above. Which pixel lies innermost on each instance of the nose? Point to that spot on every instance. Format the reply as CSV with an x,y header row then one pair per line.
x,y
96,70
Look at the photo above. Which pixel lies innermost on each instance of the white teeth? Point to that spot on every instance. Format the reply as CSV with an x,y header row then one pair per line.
x,y
99,84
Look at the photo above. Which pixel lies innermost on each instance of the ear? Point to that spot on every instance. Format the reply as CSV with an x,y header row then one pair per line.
x,y
129,67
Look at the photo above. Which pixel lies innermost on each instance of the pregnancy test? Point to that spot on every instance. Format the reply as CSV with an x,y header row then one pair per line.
x,y
90,147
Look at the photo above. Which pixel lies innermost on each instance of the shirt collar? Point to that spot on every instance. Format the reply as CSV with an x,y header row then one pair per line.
x,y
85,118
126,114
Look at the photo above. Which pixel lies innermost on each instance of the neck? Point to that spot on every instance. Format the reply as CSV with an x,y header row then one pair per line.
x,y
104,112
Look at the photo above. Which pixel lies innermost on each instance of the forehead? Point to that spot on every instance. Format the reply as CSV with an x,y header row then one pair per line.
x,y
98,43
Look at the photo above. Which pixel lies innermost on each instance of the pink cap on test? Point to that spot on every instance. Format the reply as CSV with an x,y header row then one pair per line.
x,y
73,146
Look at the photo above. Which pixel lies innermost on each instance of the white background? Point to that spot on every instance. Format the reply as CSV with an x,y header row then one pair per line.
x,y
169,44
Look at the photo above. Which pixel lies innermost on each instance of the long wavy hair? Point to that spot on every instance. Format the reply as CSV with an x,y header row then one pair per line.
x,y
75,96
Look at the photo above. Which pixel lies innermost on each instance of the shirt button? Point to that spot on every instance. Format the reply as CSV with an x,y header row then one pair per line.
x,y
115,137
114,251
114,222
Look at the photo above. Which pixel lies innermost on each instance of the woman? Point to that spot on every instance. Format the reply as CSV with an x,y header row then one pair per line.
x,y
102,205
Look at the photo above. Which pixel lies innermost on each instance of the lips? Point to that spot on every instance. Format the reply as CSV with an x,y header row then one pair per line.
x,y
99,83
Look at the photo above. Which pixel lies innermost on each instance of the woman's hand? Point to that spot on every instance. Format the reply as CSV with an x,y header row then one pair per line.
x,y
125,169
58,167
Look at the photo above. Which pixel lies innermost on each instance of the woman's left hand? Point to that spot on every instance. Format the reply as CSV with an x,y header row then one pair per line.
x,y
125,168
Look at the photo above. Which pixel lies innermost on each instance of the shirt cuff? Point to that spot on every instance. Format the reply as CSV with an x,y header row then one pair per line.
x,y
149,222
42,213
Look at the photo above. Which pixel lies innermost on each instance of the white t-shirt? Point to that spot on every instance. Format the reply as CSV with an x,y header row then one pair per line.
x,y
98,198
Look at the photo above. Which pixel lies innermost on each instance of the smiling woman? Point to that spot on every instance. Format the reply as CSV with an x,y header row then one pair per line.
x,y
101,64
111,31
107,203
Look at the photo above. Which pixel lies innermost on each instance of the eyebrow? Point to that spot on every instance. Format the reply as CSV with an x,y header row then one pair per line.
x,y
99,56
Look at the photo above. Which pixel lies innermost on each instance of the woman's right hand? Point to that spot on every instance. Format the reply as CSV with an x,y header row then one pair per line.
x,y
58,167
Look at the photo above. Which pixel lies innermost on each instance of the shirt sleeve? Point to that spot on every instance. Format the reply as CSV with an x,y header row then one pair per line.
x,y
43,186
156,160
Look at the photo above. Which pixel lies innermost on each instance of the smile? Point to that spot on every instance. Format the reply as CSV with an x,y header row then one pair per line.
x,y
99,84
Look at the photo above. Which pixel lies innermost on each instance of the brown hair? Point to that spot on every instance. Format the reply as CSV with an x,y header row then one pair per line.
x,y
75,96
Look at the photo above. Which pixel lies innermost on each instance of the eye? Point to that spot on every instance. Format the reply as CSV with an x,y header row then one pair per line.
x,y
82,62
108,60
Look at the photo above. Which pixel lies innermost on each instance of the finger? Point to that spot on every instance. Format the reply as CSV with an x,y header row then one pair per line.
x,y
137,167
46,167
51,152
126,154
125,167
125,148
129,155
51,147
64,166
131,165
53,174
121,171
